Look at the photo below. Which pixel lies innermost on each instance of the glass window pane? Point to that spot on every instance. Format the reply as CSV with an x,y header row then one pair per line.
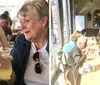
x,y
80,22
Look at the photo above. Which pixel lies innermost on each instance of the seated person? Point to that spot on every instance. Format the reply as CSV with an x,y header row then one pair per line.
x,y
72,41
30,52
84,32
77,51
4,23
10,21
75,57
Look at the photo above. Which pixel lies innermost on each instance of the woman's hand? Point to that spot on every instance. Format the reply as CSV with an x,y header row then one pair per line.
x,y
3,61
2,65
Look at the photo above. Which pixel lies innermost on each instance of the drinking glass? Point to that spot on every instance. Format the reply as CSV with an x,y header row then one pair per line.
x,y
6,70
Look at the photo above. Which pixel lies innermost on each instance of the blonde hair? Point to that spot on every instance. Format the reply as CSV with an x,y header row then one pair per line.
x,y
38,7
76,34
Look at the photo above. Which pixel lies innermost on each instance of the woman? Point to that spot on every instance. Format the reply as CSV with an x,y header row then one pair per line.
x,y
31,49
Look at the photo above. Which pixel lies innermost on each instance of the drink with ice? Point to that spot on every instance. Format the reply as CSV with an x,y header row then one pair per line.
x,y
6,70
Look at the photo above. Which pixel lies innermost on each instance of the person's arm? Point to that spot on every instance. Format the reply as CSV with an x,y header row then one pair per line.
x,y
79,59
14,62
76,54
3,39
12,79
76,57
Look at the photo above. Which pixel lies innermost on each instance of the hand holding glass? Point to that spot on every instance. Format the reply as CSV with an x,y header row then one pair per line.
x,y
5,64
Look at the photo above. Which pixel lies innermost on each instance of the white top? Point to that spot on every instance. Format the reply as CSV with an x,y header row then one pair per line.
x,y
31,77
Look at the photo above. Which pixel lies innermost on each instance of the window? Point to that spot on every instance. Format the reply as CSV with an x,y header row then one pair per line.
x,y
80,22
